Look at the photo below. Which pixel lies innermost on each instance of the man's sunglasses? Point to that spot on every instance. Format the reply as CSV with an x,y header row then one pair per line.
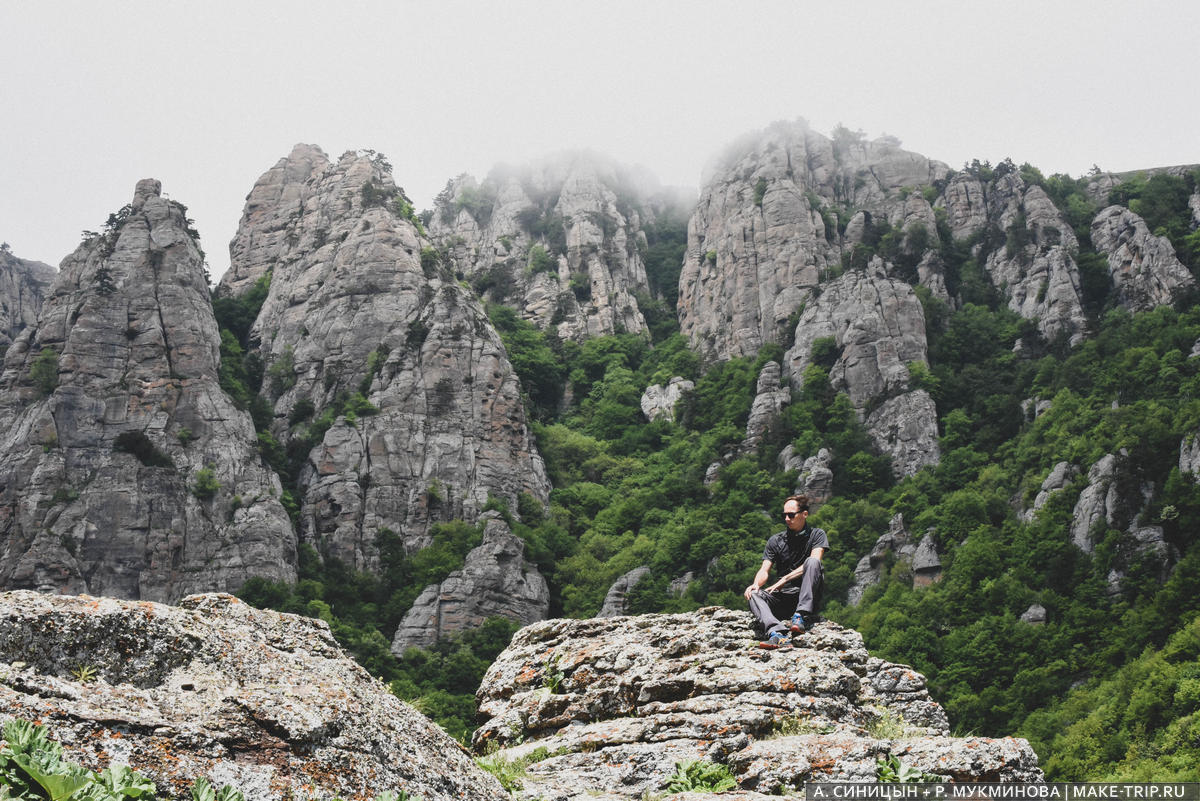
x,y
790,515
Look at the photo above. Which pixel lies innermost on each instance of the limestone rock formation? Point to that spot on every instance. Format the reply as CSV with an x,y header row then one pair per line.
x,y
1099,501
561,240
213,688
629,697
814,474
1036,268
869,570
759,240
495,581
926,563
1060,476
1035,615
615,600
358,303
1189,455
1115,499
877,327
659,401
765,411
1144,267
125,470
23,288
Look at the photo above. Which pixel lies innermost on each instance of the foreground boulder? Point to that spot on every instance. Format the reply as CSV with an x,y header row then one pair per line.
x,y
606,708
264,701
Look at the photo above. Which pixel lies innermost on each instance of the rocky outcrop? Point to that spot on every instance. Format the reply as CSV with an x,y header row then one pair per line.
x,y
1189,455
124,468
615,600
918,560
23,288
897,542
495,581
1031,248
767,409
1061,475
1113,499
1036,268
1035,615
877,328
814,475
926,562
1100,501
358,303
610,706
1144,268
562,241
213,688
759,241
659,401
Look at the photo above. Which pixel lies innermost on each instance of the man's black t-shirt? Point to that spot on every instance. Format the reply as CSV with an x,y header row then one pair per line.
x,y
787,550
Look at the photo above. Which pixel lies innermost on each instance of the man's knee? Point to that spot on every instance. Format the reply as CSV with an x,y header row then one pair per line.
x,y
814,564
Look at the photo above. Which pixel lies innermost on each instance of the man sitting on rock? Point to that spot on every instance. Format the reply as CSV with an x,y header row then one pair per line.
x,y
795,553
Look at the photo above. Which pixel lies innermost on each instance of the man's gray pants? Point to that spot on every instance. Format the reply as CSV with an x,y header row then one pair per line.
x,y
774,610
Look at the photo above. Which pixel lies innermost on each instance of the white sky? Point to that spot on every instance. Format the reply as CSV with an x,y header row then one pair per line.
x,y
206,95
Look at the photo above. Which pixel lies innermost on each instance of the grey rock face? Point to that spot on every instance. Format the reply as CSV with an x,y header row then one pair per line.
x,y
1144,267
758,241
1035,615
905,428
614,602
111,417
560,240
495,581
1060,476
659,401
1189,455
869,570
265,701
1035,269
1098,502
357,304
1116,500
634,695
878,327
766,411
815,476
23,288
926,563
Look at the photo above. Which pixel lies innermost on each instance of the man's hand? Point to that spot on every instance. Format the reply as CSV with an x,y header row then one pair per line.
x,y
753,588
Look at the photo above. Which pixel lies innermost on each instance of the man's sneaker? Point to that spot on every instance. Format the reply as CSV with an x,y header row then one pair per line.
x,y
776,640
798,624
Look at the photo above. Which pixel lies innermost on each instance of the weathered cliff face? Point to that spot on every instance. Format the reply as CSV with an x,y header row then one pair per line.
x,y
562,241
758,241
1115,499
495,581
358,303
23,288
617,702
1144,268
124,469
878,328
213,688
1035,269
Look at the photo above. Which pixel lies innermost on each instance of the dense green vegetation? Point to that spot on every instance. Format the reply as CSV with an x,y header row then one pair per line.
x,y
629,493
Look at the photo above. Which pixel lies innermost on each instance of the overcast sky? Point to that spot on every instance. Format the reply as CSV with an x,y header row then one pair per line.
x,y
207,95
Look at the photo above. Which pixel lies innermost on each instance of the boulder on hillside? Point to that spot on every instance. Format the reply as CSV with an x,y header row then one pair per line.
x,y
495,581
606,707
214,688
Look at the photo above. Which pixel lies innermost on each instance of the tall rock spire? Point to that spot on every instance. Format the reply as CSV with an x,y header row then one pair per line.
x,y
124,469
